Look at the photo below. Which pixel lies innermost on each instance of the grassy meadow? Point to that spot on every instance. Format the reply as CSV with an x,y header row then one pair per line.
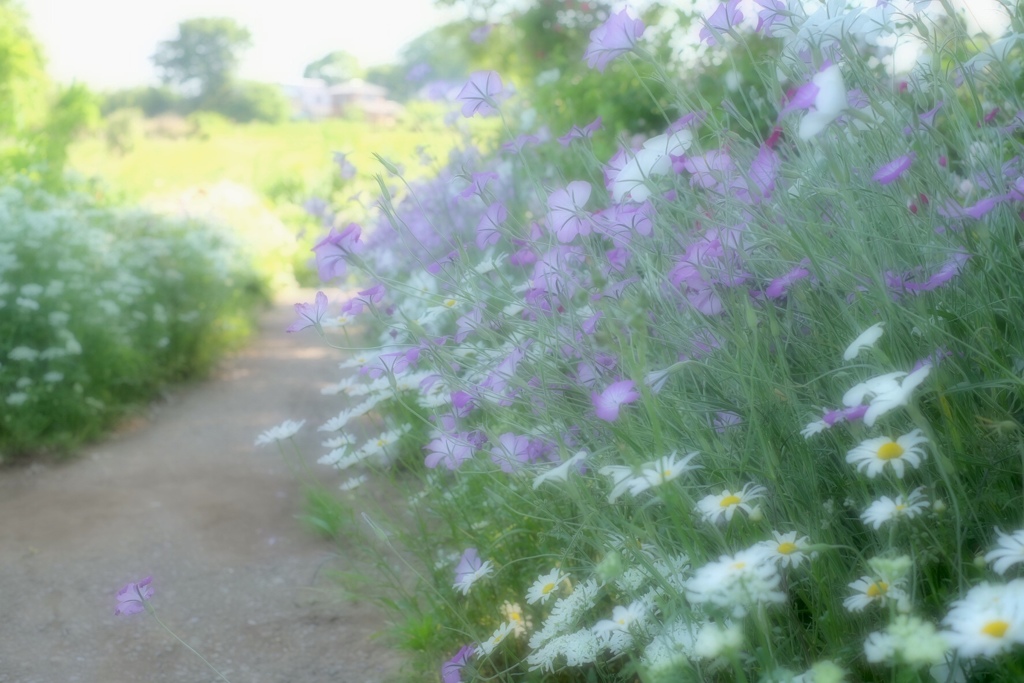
x,y
276,160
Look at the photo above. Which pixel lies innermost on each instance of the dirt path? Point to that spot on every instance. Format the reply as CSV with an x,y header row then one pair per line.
x,y
186,497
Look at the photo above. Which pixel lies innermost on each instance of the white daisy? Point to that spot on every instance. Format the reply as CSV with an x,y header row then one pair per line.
x,y
886,509
1008,552
561,472
661,470
545,586
712,508
566,612
869,591
988,621
866,340
895,396
379,445
736,582
521,623
500,633
812,428
872,455
872,387
285,430
353,483
622,479
787,550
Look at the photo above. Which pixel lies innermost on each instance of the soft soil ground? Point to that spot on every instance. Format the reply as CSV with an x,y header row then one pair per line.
x,y
184,496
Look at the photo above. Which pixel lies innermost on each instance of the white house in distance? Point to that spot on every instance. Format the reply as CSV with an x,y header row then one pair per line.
x,y
312,99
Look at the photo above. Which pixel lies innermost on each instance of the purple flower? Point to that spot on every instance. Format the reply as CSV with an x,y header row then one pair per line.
x,y
462,403
132,598
332,250
480,33
512,452
620,221
616,36
772,12
566,217
833,417
478,184
450,450
894,169
949,270
577,133
345,168
451,671
468,324
520,142
725,16
310,315
480,94
487,232
470,570
608,402
374,294
778,287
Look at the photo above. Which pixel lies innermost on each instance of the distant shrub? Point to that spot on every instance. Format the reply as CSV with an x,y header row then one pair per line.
x,y
152,101
249,101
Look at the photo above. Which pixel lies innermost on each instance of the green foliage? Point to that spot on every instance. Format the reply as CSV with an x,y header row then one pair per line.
x,y
104,306
335,67
152,101
249,101
203,58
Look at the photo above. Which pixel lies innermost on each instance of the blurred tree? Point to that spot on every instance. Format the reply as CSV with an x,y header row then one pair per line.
x,y
333,68
203,58
23,82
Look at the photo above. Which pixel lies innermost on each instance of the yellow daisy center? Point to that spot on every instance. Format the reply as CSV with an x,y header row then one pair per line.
x,y
730,500
786,548
515,616
450,302
382,442
890,450
665,474
548,587
739,565
877,590
996,629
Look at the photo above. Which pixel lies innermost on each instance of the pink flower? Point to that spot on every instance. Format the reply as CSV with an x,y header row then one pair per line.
x,y
725,16
480,94
615,37
132,598
310,315
566,217
608,402
894,169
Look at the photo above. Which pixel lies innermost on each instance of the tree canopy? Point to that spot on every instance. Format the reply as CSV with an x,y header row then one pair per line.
x,y
333,68
203,59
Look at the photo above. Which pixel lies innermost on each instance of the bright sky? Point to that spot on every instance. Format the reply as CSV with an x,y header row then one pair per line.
x,y
108,43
